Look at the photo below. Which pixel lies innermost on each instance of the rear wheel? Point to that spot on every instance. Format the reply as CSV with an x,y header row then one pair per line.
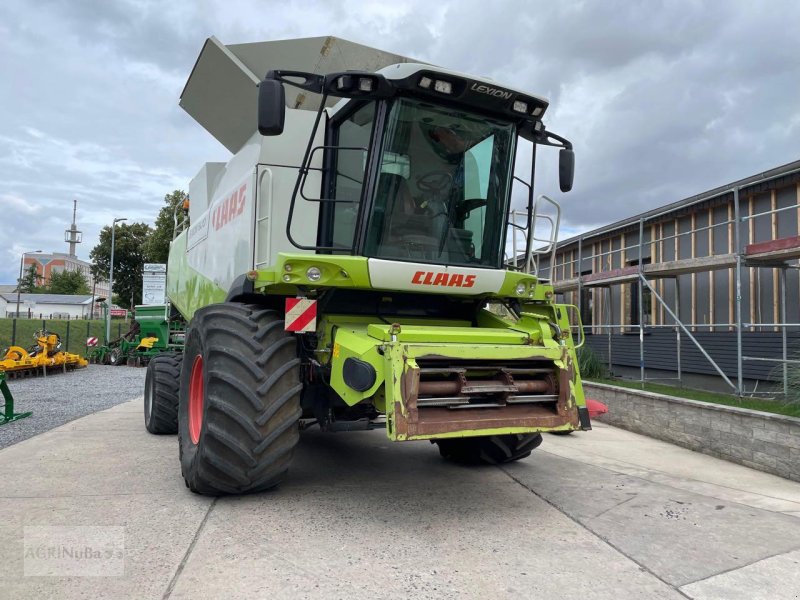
x,y
239,403
493,449
161,394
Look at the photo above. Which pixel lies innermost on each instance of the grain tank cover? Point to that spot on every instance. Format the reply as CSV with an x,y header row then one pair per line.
x,y
221,93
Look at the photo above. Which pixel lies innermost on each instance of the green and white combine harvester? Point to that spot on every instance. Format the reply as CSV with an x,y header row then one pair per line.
x,y
347,267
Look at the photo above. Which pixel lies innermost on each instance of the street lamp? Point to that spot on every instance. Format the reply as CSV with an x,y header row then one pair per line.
x,y
111,279
19,281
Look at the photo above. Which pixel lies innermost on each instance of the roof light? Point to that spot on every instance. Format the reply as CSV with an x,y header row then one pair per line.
x,y
365,84
537,111
344,82
520,107
425,82
444,87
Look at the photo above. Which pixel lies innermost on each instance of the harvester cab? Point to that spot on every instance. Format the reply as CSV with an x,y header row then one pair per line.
x,y
348,267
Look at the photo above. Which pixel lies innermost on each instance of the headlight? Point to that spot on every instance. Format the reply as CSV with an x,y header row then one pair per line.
x,y
521,288
313,274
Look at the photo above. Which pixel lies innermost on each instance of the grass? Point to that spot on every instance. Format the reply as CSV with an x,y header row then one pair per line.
x,y
77,332
773,406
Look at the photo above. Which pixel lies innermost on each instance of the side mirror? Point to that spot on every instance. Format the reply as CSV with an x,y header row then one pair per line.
x,y
271,107
566,169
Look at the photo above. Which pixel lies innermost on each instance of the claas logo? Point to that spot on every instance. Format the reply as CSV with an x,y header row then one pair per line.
x,y
443,279
230,208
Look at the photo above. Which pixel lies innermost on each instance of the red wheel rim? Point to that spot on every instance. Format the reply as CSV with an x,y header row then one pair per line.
x,y
196,393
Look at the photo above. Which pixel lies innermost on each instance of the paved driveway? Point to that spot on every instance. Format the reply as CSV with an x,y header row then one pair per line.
x,y
602,514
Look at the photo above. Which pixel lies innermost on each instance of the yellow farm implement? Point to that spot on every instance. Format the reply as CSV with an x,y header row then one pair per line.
x,y
44,356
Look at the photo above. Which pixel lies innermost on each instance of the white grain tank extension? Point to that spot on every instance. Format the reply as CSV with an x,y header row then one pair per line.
x,y
245,202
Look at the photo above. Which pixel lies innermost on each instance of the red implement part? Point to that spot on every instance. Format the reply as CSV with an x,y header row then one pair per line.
x,y
596,408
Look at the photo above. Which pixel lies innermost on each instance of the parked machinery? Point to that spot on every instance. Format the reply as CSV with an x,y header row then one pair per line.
x,y
349,269
44,357
151,333
7,413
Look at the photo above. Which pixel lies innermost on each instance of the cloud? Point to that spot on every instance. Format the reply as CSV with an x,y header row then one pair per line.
x,y
661,100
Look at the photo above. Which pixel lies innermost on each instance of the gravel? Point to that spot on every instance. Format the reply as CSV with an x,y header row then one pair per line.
x,y
63,397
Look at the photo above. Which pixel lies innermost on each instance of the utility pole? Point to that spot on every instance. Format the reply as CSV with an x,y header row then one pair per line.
x,y
111,279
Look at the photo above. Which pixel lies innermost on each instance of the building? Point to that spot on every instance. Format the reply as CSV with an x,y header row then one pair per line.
x,y
633,281
46,306
56,262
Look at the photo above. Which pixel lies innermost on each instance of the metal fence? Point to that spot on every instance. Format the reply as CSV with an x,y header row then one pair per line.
x,y
74,333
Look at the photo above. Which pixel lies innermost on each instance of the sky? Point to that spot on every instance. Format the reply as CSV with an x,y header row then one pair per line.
x,y
662,100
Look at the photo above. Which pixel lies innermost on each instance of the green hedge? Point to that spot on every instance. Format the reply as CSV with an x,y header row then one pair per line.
x,y
79,330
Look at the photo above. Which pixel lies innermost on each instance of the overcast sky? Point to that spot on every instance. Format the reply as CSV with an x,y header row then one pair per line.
x,y
661,99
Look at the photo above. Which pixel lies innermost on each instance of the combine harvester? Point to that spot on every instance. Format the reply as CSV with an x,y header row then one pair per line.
x,y
45,356
346,267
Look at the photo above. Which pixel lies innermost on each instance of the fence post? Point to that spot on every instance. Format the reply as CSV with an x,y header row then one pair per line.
x,y
14,331
738,250
66,346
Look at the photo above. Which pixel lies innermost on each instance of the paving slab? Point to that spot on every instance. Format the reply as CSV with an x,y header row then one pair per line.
x,y
753,582
361,517
396,521
623,451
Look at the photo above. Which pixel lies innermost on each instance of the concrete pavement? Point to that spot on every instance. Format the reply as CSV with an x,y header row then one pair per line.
x,y
603,514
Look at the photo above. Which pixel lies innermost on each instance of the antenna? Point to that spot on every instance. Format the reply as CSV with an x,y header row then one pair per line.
x,y
73,235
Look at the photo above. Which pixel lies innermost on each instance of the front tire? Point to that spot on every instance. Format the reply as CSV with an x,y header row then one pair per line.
x,y
161,394
492,450
239,405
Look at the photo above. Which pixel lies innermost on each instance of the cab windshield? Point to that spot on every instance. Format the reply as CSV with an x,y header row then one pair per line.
x,y
442,189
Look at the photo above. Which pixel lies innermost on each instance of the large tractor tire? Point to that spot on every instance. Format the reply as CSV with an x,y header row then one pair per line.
x,y
493,449
239,409
161,393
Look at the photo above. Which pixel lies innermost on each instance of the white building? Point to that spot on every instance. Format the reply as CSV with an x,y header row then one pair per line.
x,y
46,306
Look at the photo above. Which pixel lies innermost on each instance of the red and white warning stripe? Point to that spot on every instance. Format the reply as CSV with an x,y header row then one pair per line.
x,y
301,315
91,342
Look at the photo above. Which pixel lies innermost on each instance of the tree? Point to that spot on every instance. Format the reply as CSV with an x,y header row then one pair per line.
x,y
157,250
30,282
68,282
130,243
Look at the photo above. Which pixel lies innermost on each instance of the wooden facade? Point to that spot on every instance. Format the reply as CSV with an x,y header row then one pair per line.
x,y
689,252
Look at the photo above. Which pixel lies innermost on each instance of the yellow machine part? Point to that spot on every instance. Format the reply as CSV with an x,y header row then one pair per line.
x,y
147,343
18,359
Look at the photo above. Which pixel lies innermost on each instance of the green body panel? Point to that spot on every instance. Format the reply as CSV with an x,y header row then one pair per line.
x,y
289,273
356,344
541,331
456,335
392,353
153,323
187,289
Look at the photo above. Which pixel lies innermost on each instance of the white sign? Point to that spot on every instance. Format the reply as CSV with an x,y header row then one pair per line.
x,y
154,284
